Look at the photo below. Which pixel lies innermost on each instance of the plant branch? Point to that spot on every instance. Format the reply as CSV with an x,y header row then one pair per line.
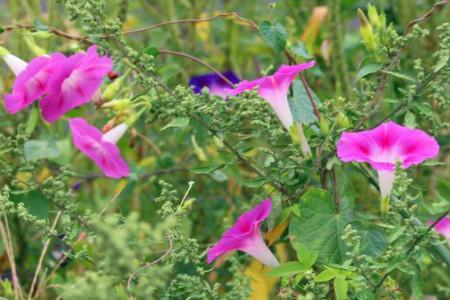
x,y
6,237
149,264
182,21
41,258
197,60
53,30
411,248
376,101
291,59
401,105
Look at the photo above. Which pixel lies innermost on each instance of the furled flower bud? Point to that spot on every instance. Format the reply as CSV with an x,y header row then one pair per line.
x,y
342,120
112,89
324,127
366,31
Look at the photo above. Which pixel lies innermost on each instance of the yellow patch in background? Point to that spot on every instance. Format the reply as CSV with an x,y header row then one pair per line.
x,y
202,29
262,284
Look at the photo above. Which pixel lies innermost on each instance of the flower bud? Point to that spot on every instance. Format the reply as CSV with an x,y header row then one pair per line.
x,y
38,51
41,34
119,105
378,21
218,142
324,127
198,150
366,31
342,120
188,204
113,88
298,138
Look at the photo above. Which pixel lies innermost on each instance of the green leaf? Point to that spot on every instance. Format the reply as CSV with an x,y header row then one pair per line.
x,y
35,202
305,255
298,278
32,121
417,284
399,75
373,239
66,149
442,62
178,122
39,149
219,176
274,34
288,268
443,188
367,70
276,211
340,288
301,108
209,169
295,210
254,183
410,120
39,25
333,161
432,163
152,51
326,275
2,29
300,50
320,227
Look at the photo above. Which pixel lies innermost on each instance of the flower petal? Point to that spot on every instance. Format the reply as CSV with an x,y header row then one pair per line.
x,y
111,161
31,83
114,135
85,137
386,144
106,155
74,83
442,227
16,64
274,89
245,235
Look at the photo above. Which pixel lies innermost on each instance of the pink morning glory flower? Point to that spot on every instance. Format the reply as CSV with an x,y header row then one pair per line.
x,y
274,89
60,83
31,81
383,146
246,236
74,83
442,227
100,148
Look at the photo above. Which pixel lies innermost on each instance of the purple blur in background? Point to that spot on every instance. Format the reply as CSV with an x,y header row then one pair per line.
x,y
213,82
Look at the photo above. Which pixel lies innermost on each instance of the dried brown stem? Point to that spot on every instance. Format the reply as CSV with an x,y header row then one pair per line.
x,y
292,60
53,30
41,258
149,264
172,22
6,237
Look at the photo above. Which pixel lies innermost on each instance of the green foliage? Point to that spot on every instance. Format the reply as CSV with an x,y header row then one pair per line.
x,y
319,227
274,34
